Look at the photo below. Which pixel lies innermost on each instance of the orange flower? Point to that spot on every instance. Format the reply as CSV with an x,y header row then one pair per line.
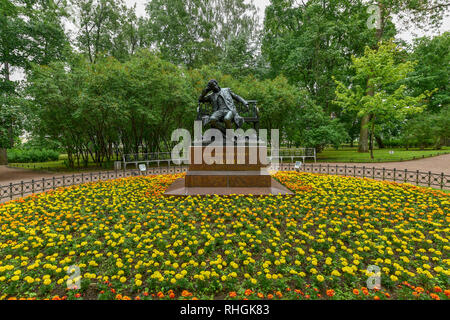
x,y
160,295
269,296
145,293
435,296
137,298
248,292
355,291
172,295
420,289
279,294
126,298
260,295
119,297
376,298
437,289
447,293
194,298
56,298
186,293
77,295
330,292
232,294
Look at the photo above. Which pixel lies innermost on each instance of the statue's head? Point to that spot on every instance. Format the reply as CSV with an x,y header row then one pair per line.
x,y
214,85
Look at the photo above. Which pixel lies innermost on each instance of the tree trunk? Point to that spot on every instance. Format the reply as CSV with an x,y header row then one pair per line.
x,y
364,134
379,142
372,133
3,156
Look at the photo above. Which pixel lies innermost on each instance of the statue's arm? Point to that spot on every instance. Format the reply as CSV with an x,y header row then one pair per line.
x,y
239,98
204,97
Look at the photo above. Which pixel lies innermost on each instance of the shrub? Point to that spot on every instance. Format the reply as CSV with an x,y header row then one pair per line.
x,y
32,155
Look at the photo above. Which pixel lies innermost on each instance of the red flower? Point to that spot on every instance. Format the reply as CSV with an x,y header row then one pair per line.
x,y
232,294
330,292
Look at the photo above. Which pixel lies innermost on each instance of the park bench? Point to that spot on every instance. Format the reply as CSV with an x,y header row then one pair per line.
x,y
251,116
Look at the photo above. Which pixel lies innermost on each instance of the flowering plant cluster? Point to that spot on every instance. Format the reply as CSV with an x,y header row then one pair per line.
x,y
128,241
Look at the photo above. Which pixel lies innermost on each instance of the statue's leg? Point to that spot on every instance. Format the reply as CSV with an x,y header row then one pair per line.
x,y
216,119
228,119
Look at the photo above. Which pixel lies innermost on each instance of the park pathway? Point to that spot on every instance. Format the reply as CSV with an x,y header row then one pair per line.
x,y
438,164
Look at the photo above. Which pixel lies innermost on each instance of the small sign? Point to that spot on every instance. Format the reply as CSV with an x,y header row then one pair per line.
x,y
142,167
298,164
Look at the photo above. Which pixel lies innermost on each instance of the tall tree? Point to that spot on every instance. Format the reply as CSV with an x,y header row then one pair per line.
x,y
375,89
412,13
194,32
432,70
108,27
31,31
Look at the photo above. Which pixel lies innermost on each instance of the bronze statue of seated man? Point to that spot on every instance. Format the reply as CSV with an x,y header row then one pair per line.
x,y
223,108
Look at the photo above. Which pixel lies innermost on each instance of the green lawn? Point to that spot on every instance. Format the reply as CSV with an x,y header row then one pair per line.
x,y
380,155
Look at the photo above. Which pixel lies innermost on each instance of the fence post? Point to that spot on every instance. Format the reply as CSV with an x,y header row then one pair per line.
x,y
364,172
43,184
82,177
406,173
328,168
21,188
442,180
64,181
91,176
345,170
32,185
73,179
429,178
53,182
10,191
373,172
354,170
384,169
336,170
395,174
417,177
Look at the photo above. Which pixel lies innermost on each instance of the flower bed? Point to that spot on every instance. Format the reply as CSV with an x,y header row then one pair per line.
x,y
130,242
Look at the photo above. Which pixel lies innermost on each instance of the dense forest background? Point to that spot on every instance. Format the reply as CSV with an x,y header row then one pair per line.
x,y
324,72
